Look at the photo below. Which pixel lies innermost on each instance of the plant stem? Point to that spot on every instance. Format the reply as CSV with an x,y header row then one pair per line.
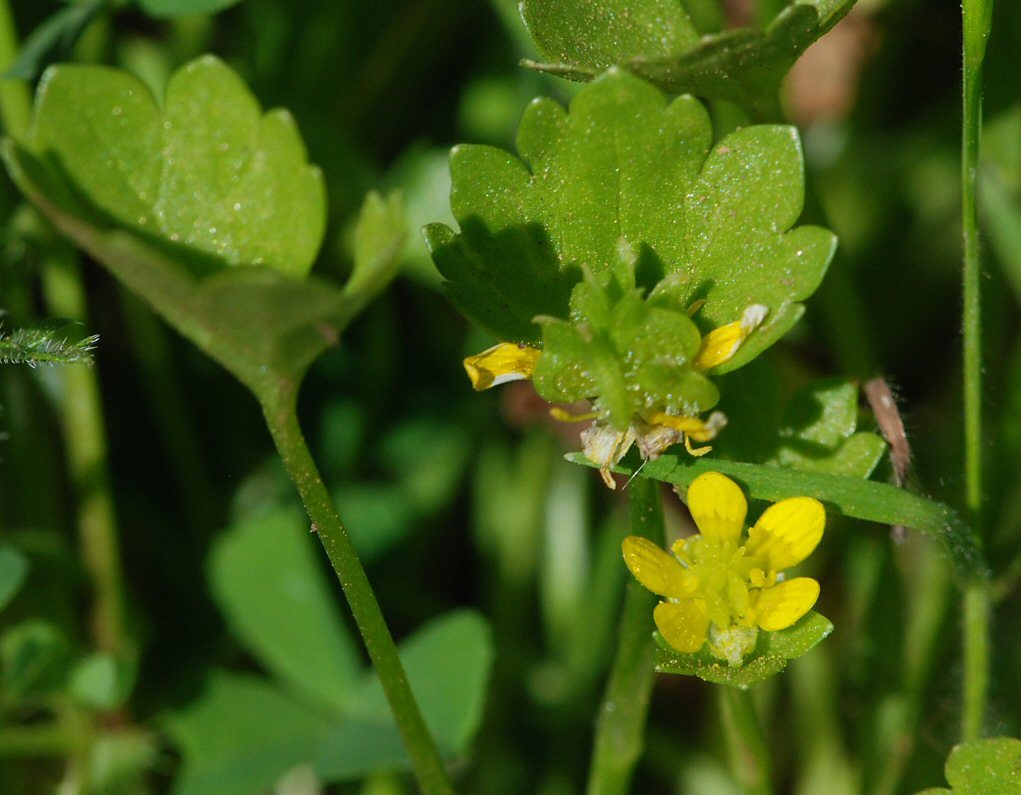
x,y
85,437
425,758
749,757
620,725
977,18
15,102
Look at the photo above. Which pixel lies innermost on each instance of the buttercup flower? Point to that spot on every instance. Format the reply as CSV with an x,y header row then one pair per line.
x,y
642,364
721,587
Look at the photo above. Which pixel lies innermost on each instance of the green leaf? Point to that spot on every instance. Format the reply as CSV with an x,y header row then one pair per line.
x,y
179,8
241,735
13,572
36,659
817,432
206,169
601,34
262,326
448,664
101,681
848,496
379,240
991,766
743,65
626,177
770,657
264,573
53,39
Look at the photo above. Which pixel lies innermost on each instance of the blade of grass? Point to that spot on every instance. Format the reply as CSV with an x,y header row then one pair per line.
x,y
977,23
859,499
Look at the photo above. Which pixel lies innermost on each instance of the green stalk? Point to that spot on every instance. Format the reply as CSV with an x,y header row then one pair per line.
x,y
977,22
85,436
425,758
749,756
620,725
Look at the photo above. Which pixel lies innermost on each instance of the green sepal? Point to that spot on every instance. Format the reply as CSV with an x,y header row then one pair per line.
x,y
631,357
770,657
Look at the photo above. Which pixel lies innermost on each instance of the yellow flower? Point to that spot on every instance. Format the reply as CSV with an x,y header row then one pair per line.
x,y
720,587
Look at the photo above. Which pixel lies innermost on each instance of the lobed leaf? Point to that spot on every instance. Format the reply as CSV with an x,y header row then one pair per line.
x,y
205,169
626,178
743,65
13,573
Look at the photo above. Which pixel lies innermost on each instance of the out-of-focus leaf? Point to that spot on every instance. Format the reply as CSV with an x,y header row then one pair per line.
x,y
743,65
1001,216
379,240
53,39
817,433
448,664
626,170
36,659
206,169
101,681
272,590
241,734
13,571
770,657
854,497
180,8
991,766
427,456
376,515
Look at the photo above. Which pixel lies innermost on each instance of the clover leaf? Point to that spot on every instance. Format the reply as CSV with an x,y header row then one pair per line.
x,y
627,177
655,40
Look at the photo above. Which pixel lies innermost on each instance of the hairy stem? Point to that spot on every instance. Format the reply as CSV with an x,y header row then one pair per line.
x,y
425,758
620,726
976,21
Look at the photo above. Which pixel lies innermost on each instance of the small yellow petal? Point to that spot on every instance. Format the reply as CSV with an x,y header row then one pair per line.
x,y
718,507
720,344
787,533
505,362
684,625
782,605
656,569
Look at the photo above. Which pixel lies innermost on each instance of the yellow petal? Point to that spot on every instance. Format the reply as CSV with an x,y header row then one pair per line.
x,y
787,533
782,605
720,344
718,507
656,569
505,362
684,625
